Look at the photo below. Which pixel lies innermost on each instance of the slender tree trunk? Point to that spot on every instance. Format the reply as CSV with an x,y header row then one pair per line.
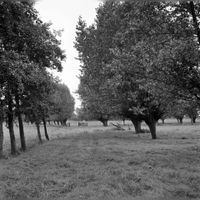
x,y
137,126
1,131
181,120
163,121
194,18
193,120
152,127
10,126
38,131
45,128
21,127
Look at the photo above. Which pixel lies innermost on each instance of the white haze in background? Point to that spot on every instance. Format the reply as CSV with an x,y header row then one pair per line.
x,y
64,15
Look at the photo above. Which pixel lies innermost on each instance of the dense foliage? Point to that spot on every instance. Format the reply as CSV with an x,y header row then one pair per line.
x,y
138,58
62,104
27,49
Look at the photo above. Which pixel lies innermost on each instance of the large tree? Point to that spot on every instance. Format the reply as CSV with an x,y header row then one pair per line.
x,y
128,49
93,44
25,36
178,60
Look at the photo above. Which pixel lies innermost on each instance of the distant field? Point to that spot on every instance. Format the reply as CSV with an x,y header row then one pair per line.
x,y
56,131
97,163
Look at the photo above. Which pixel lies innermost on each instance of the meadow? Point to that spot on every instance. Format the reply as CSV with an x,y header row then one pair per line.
x,y
98,163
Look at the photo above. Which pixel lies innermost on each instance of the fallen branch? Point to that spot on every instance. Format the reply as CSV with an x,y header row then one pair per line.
x,y
118,127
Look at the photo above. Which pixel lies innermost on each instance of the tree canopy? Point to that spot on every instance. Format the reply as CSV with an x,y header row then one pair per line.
x,y
144,53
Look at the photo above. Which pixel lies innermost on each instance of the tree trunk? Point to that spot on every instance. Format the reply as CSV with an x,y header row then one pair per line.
x,y
163,121
137,126
45,128
64,122
152,127
21,127
194,18
1,131
38,131
105,122
10,126
193,120
181,120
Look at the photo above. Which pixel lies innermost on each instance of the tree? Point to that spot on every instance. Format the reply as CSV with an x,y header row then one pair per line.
x,y
63,104
192,109
37,104
24,35
1,128
13,67
93,44
184,32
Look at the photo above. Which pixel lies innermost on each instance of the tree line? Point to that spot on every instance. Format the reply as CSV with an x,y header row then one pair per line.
x,y
140,60
29,50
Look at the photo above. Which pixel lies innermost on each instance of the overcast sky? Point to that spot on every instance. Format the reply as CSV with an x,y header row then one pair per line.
x,y
64,15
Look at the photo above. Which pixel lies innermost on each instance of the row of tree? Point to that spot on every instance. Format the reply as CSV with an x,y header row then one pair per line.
x,y
28,51
139,59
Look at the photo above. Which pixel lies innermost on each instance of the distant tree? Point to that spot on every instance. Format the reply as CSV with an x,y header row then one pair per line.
x,y
37,104
192,109
178,110
63,104
84,114
93,44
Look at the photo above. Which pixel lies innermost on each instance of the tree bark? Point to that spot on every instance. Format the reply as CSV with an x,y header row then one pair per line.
x,y
152,127
10,126
137,125
21,127
38,131
45,128
194,18
1,131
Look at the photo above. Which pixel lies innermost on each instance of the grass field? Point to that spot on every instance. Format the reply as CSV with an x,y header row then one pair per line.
x,y
96,163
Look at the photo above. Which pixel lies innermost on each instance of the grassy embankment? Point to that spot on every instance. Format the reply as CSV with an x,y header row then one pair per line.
x,y
106,165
